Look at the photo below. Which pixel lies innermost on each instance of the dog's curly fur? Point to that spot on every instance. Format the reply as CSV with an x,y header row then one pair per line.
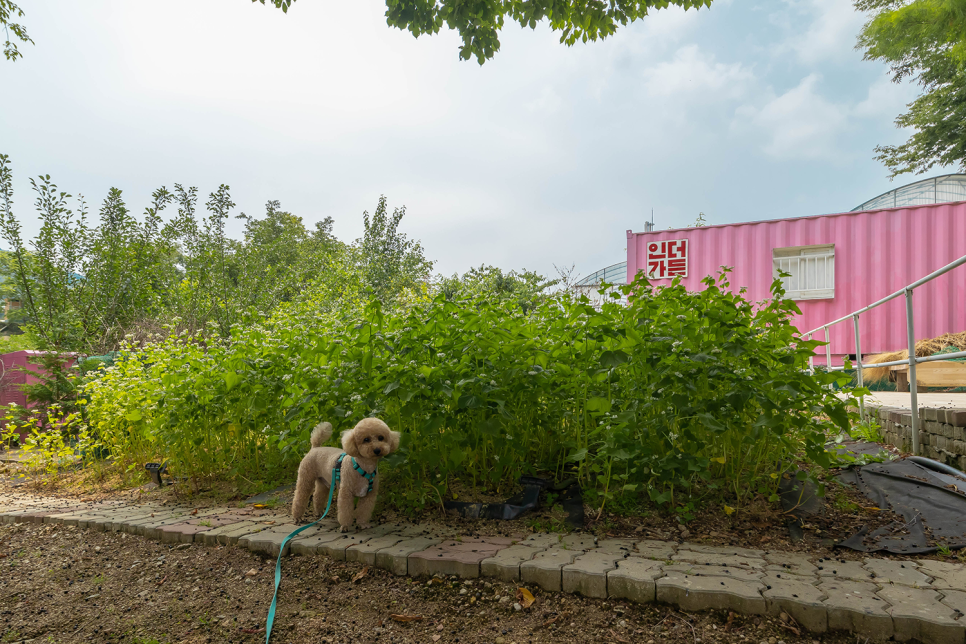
x,y
368,442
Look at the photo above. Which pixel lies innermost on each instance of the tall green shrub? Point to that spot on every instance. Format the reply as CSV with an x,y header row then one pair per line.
x,y
676,395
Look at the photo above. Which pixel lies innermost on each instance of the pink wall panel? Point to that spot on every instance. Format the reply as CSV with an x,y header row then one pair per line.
x,y
876,253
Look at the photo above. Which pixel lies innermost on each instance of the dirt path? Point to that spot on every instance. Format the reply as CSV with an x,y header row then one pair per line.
x,y
60,584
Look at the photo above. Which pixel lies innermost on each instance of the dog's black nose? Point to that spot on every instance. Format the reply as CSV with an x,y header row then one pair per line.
x,y
377,450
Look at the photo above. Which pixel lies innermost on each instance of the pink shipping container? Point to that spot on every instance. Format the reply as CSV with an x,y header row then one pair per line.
x,y
12,377
839,264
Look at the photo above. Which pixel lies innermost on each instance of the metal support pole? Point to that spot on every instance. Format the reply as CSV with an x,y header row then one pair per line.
x,y
913,401
811,358
858,362
828,355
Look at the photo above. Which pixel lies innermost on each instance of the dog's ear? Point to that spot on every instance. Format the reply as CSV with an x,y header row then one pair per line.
x,y
394,440
349,443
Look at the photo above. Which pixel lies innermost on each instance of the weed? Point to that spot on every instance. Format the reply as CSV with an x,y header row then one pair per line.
x,y
867,430
945,551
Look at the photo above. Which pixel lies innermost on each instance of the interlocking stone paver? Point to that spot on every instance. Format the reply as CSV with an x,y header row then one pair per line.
x,y
541,540
889,571
587,575
578,542
154,529
634,579
955,599
269,541
790,562
698,592
741,574
918,614
118,522
210,536
134,526
854,606
410,531
842,570
615,547
708,559
185,531
236,531
396,558
336,548
795,595
944,575
659,550
545,569
312,544
505,564
40,514
453,557
366,552
722,550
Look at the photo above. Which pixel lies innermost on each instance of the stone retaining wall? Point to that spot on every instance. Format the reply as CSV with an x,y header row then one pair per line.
x,y
942,432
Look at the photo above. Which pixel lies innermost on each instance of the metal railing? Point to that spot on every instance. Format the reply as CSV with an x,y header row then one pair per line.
x,y
912,360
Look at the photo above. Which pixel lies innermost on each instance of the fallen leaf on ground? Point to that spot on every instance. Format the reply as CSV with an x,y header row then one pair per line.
x,y
525,597
195,511
251,573
406,618
362,573
163,580
260,506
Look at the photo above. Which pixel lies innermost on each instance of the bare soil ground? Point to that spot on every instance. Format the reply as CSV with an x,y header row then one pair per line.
x,y
61,585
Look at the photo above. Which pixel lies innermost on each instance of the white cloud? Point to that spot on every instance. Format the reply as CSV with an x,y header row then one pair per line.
x,y
692,71
886,99
830,34
799,123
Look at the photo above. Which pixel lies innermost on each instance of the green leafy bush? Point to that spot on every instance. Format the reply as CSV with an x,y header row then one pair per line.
x,y
673,396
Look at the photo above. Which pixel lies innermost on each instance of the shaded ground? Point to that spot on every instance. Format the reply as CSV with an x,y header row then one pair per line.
x,y
60,584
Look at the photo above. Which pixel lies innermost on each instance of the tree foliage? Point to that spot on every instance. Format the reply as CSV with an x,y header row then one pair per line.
x,y
924,40
479,22
85,286
10,11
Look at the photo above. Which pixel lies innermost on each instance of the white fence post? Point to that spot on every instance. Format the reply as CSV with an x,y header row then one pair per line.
x,y
913,402
858,362
828,356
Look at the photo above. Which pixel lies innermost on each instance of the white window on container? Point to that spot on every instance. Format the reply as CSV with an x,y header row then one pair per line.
x,y
811,271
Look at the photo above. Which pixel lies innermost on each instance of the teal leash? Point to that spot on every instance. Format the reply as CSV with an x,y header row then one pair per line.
x,y
336,476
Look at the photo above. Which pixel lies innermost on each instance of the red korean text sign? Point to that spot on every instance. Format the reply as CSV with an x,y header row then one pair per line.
x,y
666,259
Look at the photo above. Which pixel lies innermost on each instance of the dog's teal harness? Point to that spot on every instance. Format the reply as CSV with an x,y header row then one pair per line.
x,y
337,472
336,478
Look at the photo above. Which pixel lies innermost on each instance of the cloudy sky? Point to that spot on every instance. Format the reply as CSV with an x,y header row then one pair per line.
x,y
544,156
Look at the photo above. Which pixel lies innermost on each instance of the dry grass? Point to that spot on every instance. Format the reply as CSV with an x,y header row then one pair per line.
x,y
924,348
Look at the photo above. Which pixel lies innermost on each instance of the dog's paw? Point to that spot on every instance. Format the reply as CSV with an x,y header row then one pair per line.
x,y
364,526
344,528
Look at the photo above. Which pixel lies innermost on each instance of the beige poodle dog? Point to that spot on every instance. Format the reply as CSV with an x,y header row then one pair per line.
x,y
362,447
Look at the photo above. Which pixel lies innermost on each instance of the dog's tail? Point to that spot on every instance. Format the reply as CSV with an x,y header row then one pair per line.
x,y
321,433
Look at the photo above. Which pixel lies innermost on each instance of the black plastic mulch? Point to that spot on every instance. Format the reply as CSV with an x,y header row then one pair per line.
x,y
932,504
